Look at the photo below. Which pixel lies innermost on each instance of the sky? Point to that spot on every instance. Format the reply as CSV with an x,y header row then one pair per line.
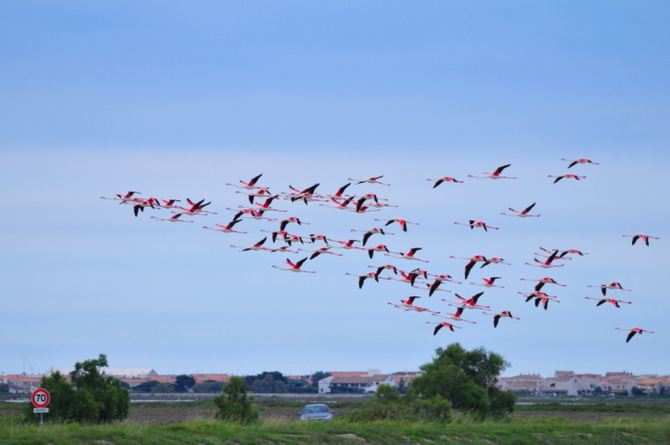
x,y
176,99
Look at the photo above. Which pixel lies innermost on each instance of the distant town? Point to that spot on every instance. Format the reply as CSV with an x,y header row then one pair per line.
x,y
562,383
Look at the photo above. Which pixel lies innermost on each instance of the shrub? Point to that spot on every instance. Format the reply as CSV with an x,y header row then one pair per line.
x,y
90,398
234,405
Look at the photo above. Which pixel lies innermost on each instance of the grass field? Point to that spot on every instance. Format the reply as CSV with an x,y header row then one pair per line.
x,y
610,422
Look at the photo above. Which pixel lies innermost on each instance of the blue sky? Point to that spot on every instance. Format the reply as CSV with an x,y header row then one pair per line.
x,y
176,99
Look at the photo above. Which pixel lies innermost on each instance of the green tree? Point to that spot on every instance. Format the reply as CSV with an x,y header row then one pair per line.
x,y
163,388
183,383
233,404
467,380
146,386
90,397
389,404
268,384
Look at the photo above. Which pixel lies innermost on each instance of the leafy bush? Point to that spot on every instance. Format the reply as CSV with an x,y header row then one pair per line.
x,y
90,398
389,404
234,405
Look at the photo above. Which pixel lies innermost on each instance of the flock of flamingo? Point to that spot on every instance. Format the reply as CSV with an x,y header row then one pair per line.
x,y
261,207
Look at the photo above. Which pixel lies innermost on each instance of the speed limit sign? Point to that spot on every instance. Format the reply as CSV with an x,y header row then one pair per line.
x,y
40,398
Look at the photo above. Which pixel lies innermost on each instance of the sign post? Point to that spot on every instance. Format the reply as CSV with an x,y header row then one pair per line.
x,y
41,399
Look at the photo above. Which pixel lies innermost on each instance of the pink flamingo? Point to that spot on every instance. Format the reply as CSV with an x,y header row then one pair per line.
x,y
488,282
306,195
256,246
499,315
443,324
573,162
362,278
542,282
540,297
567,176
438,280
140,205
339,205
471,264
291,219
472,224
227,228
390,267
612,301
547,263
641,236
407,255
456,316
346,244
407,277
373,180
279,249
495,174
379,248
470,303
612,285
261,192
369,233
315,237
522,214
319,251
169,204
634,331
408,305
403,223
174,218
124,198
294,267
439,181
494,260
248,185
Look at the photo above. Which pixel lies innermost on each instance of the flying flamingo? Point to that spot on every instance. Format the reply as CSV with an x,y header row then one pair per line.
x,y
471,264
227,228
499,315
248,185
407,277
612,301
279,249
542,282
256,246
472,224
408,305
306,195
346,244
633,331
373,180
174,218
315,237
390,267
339,205
578,161
197,208
612,285
641,236
261,192
494,260
488,282
266,205
340,192
546,264
522,214
567,176
470,303
379,248
252,214
291,219
360,208
361,278
369,233
367,209
168,204
294,267
408,255
441,324
495,174
439,181
438,280
540,297
140,205
562,253
456,316
319,251
401,222
123,198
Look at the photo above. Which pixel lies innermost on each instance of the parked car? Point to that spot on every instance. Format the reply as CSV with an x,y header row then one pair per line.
x,y
317,411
